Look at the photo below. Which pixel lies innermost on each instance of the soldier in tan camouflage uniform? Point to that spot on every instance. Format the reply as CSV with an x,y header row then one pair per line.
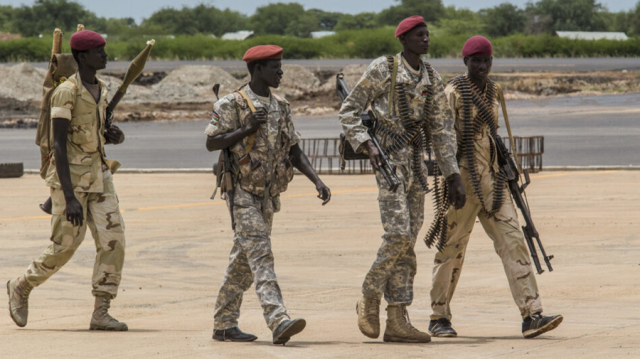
x,y
256,126
488,200
401,212
82,190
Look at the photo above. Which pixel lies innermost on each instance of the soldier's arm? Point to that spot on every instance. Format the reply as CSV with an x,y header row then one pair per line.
x,y
301,162
443,131
62,102
365,91
225,129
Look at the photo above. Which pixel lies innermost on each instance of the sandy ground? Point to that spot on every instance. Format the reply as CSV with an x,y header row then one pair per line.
x,y
177,249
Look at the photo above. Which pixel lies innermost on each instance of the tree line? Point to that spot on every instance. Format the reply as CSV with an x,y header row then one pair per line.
x,y
291,19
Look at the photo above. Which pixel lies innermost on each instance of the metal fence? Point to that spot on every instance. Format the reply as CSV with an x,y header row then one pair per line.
x,y
325,158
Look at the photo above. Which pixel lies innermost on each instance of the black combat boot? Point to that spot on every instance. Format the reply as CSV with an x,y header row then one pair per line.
x,y
537,324
441,328
233,335
287,329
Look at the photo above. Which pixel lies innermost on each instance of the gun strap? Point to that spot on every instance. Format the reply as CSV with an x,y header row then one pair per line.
x,y
506,121
393,65
252,137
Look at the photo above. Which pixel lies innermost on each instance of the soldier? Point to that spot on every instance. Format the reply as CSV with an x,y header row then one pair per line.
x,y
82,190
407,96
255,125
473,100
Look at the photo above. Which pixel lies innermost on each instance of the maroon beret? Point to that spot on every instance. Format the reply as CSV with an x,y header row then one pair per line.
x,y
408,24
263,52
477,46
85,40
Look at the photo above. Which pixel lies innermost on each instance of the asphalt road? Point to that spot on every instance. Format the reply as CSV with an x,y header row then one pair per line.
x,y
442,65
578,131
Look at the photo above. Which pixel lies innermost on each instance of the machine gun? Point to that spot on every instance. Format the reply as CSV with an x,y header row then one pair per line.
x,y
508,165
368,120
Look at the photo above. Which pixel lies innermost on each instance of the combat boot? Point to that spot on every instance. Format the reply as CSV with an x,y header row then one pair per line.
x,y
368,310
18,290
233,335
287,329
537,324
399,328
101,320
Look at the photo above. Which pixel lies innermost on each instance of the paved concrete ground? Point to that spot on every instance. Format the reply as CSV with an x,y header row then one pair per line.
x,y
578,131
442,65
177,247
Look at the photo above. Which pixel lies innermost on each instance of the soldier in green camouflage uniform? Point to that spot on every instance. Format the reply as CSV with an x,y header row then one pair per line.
x,y
82,190
496,212
264,147
401,212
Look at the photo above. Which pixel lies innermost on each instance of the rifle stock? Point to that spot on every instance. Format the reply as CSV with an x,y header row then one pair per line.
x,y
368,120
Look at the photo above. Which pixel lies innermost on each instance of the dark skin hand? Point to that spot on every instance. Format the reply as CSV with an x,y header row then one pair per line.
x,y
301,162
89,62
457,196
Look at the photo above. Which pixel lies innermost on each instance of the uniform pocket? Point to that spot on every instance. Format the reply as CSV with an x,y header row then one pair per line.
x,y
253,177
81,129
284,175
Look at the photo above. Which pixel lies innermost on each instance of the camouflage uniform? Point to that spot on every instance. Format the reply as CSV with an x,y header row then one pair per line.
x,y
402,213
91,178
251,259
502,228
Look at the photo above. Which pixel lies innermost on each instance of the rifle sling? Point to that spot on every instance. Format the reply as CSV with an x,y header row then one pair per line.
x,y
252,137
506,121
394,74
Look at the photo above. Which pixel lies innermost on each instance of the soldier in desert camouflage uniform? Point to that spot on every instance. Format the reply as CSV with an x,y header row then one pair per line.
x,y
82,190
264,149
488,200
402,212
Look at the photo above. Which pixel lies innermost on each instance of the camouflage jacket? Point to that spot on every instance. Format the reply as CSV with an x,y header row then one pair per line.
x,y
373,90
483,143
85,138
229,114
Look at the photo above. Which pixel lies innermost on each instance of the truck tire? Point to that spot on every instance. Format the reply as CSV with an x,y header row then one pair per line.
x,y
11,170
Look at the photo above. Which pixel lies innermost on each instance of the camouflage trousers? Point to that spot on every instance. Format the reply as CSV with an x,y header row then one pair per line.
x,y
102,216
509,244
402,215
250,262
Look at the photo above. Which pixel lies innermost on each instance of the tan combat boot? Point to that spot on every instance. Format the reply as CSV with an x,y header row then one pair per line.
x,y
101,320
18,290
368,310
399,328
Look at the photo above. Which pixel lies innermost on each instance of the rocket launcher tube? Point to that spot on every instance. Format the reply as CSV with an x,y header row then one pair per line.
x,y
57,42
135,69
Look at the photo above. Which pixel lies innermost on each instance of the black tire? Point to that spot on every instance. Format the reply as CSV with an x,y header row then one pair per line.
x,y
11,170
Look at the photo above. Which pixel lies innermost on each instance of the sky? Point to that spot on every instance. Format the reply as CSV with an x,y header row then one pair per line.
x,y
139,9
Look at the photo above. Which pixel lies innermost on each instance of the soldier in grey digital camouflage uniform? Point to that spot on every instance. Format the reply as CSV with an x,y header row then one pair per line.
x,y
488,200
402,212
82,190
264,149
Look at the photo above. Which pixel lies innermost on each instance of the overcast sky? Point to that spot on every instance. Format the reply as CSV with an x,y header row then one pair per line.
x,y
139,9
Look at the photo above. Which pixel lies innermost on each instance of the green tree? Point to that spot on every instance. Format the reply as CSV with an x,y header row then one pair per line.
x,y
364,20
431,10
276,18
503,20
45,15
568,15
6,17
634,20
327,21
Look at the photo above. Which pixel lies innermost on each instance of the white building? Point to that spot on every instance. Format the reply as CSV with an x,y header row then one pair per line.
x,y
587,35
239,35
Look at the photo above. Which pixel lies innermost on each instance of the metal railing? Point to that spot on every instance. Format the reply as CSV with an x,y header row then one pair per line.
x,y
325,158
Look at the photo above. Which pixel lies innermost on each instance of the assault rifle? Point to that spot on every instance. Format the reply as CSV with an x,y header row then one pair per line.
x,y
506,162
368,120
224,172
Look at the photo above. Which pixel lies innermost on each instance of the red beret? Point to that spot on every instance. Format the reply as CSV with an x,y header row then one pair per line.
x,y
408,24
85,40
263,52
477,46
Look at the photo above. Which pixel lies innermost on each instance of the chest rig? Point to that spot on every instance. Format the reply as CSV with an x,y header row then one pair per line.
x,y
471,95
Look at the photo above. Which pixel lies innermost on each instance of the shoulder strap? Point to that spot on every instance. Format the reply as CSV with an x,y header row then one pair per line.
x,y
393,66
252,137
506,121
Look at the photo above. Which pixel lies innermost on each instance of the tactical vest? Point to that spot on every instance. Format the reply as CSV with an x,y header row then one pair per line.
x,y
262,164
